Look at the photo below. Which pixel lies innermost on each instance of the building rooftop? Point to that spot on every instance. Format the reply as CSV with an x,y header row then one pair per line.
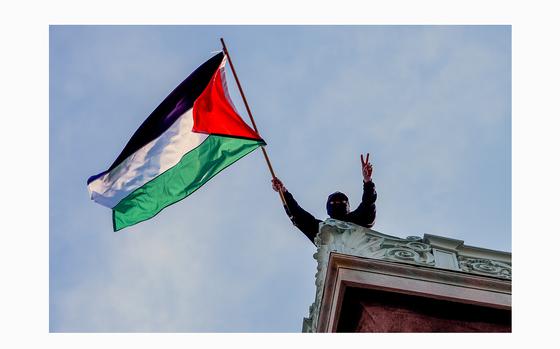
x,y
368,254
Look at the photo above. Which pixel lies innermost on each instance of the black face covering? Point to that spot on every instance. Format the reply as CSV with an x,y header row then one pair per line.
x,y
337,205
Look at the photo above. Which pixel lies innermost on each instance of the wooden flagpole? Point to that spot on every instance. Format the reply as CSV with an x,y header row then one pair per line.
x,y
254,124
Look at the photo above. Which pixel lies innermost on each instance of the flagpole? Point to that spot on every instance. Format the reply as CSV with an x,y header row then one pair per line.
x,y
253,122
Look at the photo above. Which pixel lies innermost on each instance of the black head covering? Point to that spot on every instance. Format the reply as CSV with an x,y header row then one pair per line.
x,y
338,209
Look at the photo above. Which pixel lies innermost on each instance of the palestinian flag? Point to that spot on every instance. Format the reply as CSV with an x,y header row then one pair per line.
x,y
189,138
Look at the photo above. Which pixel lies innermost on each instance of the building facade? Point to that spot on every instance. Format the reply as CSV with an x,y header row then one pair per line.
x,y
372,282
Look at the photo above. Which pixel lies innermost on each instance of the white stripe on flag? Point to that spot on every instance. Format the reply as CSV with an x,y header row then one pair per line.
x,y
147,163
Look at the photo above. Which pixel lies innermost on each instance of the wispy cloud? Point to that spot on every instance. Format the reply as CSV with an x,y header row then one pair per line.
x,y
431,104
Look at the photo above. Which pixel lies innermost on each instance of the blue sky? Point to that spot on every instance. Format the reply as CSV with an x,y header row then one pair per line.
x,y
431,104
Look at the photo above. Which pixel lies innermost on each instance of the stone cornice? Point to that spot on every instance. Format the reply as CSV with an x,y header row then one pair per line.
x,y
430,251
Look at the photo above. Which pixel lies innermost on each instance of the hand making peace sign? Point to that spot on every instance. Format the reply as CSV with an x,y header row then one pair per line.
x,y
367,168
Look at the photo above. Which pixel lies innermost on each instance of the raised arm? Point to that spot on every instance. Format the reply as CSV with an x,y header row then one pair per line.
x,y
302,219
365,213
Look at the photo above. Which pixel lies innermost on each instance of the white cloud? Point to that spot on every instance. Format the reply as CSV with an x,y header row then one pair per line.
x,y
425,103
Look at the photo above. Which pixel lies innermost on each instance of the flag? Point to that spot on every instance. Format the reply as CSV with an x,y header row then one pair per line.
x,y
190,137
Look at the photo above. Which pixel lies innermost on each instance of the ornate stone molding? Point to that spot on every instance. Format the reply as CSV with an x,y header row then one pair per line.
x,y
483,266
351,239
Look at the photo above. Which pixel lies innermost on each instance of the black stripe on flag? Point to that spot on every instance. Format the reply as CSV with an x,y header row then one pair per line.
x,y
173,106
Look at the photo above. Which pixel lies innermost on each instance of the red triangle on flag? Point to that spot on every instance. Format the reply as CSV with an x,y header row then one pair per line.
x,y
213,112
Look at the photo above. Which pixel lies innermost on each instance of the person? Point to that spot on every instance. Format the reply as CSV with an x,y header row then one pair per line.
x,y
337,205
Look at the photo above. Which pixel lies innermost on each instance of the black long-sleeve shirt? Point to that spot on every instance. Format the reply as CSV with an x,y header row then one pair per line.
x,y
363,215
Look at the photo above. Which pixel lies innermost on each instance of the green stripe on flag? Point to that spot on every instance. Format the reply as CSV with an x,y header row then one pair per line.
x,y
195,168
